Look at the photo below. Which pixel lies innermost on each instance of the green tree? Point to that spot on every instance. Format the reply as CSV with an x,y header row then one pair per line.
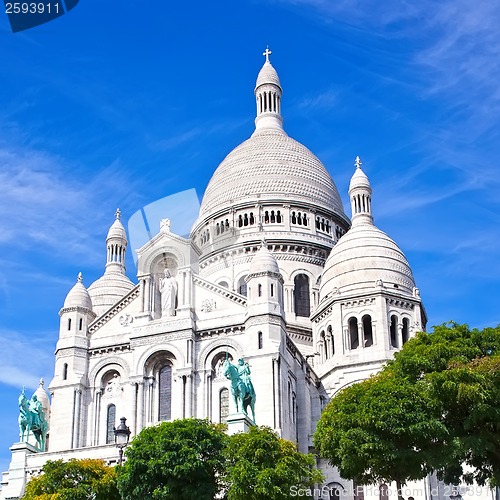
x,y
73,480
383,429
436,406
262,466
461,368
178,460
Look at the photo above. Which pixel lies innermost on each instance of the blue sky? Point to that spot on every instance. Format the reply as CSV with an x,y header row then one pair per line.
x,y
119,103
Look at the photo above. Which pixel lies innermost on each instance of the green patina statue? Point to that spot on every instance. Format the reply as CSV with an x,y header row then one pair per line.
x,y
241,385
32,419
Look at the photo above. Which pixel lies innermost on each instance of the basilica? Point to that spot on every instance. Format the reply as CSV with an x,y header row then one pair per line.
x,y
274,273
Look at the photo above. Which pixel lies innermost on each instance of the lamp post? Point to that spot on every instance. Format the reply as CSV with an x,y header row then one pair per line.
x,y
122,435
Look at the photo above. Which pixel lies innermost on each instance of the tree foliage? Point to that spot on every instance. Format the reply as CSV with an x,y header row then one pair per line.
x,y
178,460
262,466
436,406
73,480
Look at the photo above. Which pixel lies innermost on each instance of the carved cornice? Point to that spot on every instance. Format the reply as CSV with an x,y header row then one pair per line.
x,y
111,313
404,304
220,290
161,339
162,326
215,332
104,350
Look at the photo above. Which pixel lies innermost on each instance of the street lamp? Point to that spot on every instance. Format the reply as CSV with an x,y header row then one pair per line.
x,y
122,435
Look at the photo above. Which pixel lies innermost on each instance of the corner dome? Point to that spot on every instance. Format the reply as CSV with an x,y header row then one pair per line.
x,y
108,290
270,166
78,296
362,257
42,396
264,262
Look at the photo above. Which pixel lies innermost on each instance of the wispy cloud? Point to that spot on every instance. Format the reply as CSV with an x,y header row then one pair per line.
x,y
32,347
324,100
42,206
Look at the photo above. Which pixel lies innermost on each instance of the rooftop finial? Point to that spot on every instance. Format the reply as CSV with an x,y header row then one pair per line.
x,y
357,162
118,214
79,277
267,53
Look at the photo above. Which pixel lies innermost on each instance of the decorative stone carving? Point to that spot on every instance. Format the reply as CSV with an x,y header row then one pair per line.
x,y
126,320
208,305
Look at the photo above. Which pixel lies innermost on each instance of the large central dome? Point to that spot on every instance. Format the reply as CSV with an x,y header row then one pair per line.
x,y
270,166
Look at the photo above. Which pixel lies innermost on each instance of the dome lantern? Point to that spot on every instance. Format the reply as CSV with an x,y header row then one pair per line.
x,y
360,193
268,96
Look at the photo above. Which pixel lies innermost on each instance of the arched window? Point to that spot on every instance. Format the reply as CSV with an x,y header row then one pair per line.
x,y
273,217
329,334
406,329
383,492
353,333
110,424
302,299
245,220
394,331
69,323
323,347
367,330
252,219
294,218
335,491
242,286
240,221
260,340
165,393
266,217
80,324
65,371
272,290
223,404
259,290
278,217
224,284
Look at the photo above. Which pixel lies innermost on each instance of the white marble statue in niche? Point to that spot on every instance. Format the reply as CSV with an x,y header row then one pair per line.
x,y
168,291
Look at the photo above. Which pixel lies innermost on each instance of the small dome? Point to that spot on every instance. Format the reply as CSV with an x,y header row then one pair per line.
x,y
117,231
108,290
267,75
43,397
78,296
359,180
363,256
264,262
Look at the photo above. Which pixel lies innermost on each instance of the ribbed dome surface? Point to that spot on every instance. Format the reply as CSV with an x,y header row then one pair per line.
x,y
78,296
264,262
267,74
364,255
108,290
359,180
117,230
270,166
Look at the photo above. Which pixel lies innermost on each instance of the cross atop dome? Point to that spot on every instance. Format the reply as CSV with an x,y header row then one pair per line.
x,y
118,214
267,53
357,162
79,277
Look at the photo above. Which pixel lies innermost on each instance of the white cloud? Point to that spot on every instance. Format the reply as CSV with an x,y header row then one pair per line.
x,y
37,361
44,208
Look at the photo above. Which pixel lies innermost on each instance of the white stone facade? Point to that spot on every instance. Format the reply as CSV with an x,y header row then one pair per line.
x,y
272,272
